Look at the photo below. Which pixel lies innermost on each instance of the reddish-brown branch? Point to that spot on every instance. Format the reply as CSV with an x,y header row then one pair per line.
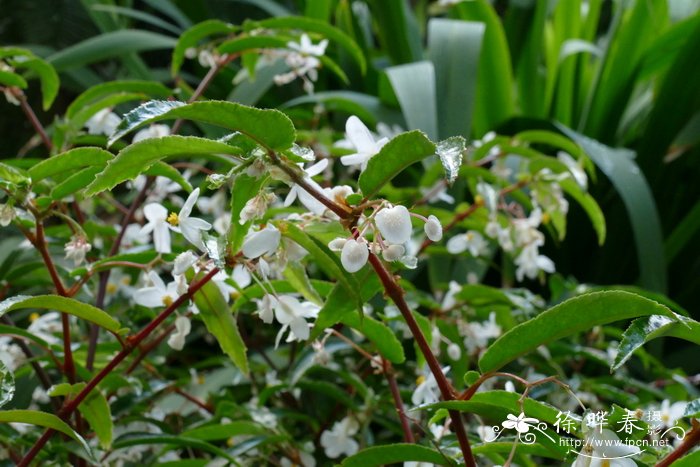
x,y
132,343
689,442
31,116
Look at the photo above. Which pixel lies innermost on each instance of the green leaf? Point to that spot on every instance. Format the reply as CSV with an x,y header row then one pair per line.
x,y
316,26
415,88
94,408
7,384
47,76
395,453
162,169
47,420
683,233
109,45
8,78
193,35
454,48
270,128
145,89
645,329
224,431
495,100
402,151
590,205
619,166
690,460
64,304
75,182
574,315
368,108
244,188
221,323
324,258
12,177
70,161
692,410
140,439
136,158
397,29
242,43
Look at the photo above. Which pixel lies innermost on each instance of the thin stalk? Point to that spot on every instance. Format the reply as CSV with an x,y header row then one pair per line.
x,y
398,403
36,124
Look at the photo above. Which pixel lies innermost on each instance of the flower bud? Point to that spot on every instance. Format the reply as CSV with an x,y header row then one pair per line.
x,y
433,229
354,255
394,224
337,244
393,252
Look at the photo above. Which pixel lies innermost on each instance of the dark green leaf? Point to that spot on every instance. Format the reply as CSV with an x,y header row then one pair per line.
x,y
136,158
70,161
577,314
395,453
402,151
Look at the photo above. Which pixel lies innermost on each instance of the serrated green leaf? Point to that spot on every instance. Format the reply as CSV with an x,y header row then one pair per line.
x,y
136,158
193,35
450,152
64,304
11,177
395,453
162,169
243,43
243,188
140,439
145,89
574,315
645,329
221,323
7,384
70,161
692,410
47,77
270,128
402,151
224,431
94,408
47,420
75,182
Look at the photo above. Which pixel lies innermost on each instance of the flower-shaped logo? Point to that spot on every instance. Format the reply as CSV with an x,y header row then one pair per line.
x,y
521,423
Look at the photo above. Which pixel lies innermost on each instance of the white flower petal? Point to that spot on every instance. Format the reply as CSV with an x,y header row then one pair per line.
x,y
394,224
354,255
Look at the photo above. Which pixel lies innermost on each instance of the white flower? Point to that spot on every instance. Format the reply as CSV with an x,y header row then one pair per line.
x,y
158,294
157,216
575,168
44,326
394,224
11,354
309,202
525,230
183,262
241,276
530,263
489,194
471,240
266,308
338,440
486,433
449,300
190,227
354,255
477,335
182,328
103,122
437,192
7,213
670,413
77,248
393,252
602,448
362,140
292,313
262,242
427,390
153,131
305,46
433,229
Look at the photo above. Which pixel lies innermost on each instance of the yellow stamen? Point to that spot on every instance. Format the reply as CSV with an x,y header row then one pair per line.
x,y
478,199
167,300
200,379
546,218
420,379
173,219
230,442
111,288
33,317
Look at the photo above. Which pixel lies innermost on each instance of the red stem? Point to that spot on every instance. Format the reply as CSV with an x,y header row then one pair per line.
x,y
396,394
132,342
31,116
688,443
